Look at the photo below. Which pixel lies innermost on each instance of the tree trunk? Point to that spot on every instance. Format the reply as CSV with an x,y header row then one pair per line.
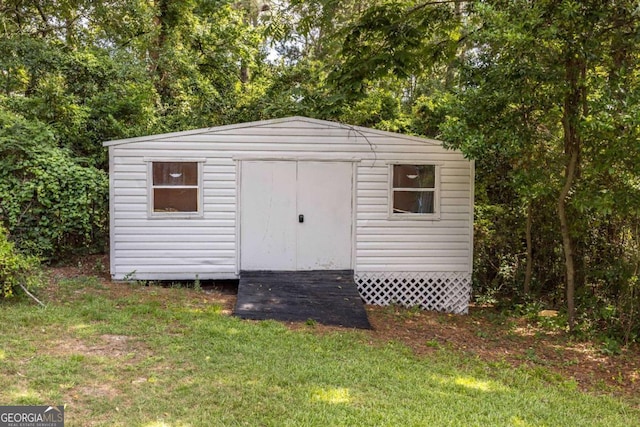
x,y
529,271
251,17
156,68
567,241
574,67
244,72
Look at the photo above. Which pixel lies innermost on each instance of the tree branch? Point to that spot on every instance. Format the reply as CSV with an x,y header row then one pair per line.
x,y
31,295
431,3
44,19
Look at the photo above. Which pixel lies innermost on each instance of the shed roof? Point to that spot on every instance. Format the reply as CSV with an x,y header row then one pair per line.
x,y
274,123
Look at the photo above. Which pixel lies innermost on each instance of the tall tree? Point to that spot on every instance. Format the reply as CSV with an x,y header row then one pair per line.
x,y
534,88
546,67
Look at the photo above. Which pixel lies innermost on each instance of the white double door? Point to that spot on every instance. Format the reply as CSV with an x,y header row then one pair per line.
x,y
295,215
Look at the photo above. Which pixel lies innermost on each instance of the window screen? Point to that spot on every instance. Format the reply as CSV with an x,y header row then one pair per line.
x,y
414,189
175,186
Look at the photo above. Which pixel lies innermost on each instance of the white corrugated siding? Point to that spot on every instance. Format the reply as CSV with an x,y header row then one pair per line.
x,y
171,249
442,245
162,248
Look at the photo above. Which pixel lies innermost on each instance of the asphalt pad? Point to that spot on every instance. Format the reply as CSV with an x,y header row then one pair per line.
x,y
326,297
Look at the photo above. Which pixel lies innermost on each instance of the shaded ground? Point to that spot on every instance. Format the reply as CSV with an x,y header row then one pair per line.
x,y
484,333
516,341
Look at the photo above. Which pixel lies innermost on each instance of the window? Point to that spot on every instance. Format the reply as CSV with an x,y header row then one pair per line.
x,y
175,187
414,191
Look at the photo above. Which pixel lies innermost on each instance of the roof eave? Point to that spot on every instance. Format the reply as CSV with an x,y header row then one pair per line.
x,y
326,123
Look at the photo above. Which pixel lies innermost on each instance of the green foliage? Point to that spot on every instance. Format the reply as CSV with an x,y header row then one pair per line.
x,y
519,87
15,268
85,96
381,109
51,204
393,39
513,113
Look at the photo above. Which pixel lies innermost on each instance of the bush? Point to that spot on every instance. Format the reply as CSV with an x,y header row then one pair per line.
x,y
52,205
15,268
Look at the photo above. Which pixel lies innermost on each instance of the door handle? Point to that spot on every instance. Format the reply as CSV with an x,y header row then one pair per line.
x,y
301,218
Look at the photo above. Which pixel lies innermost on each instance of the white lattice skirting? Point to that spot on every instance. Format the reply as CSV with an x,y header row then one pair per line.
x,y
448,292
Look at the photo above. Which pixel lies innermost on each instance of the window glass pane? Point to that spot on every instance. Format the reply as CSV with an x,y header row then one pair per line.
x,y
175,173
414,176
175,200
413,202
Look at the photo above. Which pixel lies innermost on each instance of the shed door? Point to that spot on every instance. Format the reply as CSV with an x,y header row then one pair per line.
x,y
276,196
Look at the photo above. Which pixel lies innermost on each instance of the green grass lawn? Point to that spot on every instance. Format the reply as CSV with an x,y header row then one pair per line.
x,y
150,356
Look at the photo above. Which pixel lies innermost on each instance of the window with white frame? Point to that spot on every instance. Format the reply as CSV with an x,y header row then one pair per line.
x,y
414,191
175,187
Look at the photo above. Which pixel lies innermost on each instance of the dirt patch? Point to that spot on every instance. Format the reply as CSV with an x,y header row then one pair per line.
x,y
94,265
109,346
96,391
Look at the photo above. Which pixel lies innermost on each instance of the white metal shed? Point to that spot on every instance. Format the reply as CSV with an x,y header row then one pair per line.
x,y
296,194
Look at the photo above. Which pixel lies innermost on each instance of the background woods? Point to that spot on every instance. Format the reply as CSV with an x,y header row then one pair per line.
x,y
544,96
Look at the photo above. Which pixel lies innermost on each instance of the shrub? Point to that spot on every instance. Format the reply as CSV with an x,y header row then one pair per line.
x,y
52,205
15,268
